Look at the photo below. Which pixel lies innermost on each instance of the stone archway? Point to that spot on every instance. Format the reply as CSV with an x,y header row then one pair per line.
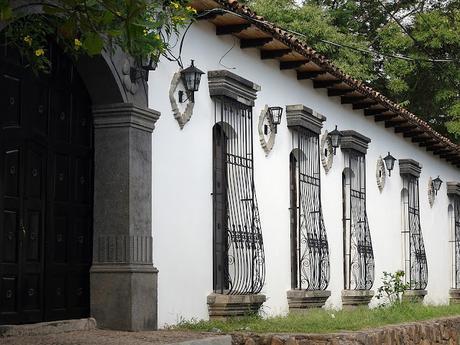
x,y
123,280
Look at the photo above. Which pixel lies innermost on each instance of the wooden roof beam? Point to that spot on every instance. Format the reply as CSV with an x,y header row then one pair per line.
x,y
274,53
292,64
373,112
435,147
395,122
449,155
413,133
309,74
318,84
442,151
382,117
404,129
338,92
231,29
428,142
364,105
352,99
254,42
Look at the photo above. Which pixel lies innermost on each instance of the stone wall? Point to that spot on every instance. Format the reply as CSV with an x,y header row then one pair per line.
x,y
439,331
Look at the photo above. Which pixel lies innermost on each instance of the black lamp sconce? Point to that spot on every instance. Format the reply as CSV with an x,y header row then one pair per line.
x,y
336,138
389,163
142,72
191,77
274,117
437,182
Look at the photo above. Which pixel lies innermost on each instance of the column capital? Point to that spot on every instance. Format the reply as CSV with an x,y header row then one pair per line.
x,y
118,115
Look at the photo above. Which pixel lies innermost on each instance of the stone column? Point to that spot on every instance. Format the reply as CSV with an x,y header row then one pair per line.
x,y
123,278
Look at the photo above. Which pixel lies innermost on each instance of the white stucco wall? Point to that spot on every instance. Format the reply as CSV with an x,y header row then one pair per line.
x,y
182,185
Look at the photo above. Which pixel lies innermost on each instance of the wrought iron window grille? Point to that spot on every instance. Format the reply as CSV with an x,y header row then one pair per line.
x,y
239,259
415,262
456,242
310,252
359,266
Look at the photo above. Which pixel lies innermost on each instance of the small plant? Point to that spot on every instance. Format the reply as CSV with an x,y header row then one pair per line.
x,y
392,288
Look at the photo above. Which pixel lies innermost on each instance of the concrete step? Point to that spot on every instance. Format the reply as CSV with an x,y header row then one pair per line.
x,y
46,328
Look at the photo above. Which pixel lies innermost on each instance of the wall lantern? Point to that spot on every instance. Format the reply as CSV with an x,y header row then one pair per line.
x,y
191,77
389,162
142,72
274,116
437,182
336,137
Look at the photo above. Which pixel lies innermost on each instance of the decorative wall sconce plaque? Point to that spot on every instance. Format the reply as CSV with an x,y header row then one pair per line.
x,y
431,192
326,151
380,173
184,116
267,138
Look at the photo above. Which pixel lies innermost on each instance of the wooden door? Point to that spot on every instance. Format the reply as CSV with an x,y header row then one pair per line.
x,y
45,192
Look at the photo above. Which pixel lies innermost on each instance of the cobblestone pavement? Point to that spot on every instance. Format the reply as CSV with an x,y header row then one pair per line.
x,y
104,337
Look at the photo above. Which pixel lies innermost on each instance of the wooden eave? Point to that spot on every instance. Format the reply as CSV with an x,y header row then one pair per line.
x,y
293,54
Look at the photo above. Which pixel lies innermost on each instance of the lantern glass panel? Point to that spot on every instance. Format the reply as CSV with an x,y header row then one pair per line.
x,y
276,113
437,182
389,161
336,137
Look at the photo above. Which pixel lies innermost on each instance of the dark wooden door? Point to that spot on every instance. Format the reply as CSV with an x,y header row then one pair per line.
x,y
45,192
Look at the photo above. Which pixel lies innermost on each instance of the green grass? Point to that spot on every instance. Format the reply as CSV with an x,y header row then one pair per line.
x,y
326,321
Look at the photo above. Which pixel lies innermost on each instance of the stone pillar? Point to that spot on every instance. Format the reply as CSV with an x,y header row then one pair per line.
x,y
123,278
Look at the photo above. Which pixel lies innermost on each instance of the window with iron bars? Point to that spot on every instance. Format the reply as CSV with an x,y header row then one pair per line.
x,y
309,246
358,253
415,264
454,215
238,251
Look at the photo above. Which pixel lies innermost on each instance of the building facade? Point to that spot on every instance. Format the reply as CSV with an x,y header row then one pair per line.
x,y
330,224
233,210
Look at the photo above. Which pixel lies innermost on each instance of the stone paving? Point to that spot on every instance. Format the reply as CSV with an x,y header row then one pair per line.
x,y
105,337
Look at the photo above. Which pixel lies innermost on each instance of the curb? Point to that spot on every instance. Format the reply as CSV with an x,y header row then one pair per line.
x,y
220,340
45,328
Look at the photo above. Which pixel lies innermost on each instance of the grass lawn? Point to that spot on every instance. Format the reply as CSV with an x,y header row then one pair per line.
x,y
326,321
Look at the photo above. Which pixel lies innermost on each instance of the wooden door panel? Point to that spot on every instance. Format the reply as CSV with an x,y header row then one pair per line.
x,y
10,100
9,288
11,173
10,237
61,115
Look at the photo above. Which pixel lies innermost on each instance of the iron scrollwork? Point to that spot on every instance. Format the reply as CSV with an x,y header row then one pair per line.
x,y
311,247
242,262
359,255
415,256
456,244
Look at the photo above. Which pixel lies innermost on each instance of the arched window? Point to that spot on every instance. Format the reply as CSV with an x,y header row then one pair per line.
x,y
415,264
309,247
358,252
238,254
454,225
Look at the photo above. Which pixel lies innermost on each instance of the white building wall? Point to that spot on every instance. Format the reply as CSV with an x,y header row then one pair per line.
x,y
182,185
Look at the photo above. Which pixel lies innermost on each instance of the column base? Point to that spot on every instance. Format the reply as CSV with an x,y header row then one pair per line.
x,y
223,307
124,297
454,296
351,299
300,301
414,296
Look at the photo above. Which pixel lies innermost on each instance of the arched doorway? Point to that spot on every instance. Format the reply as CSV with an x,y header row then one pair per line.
x,y
46,192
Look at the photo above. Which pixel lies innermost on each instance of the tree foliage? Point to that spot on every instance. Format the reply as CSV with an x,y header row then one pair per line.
x,y
401,41
140,27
